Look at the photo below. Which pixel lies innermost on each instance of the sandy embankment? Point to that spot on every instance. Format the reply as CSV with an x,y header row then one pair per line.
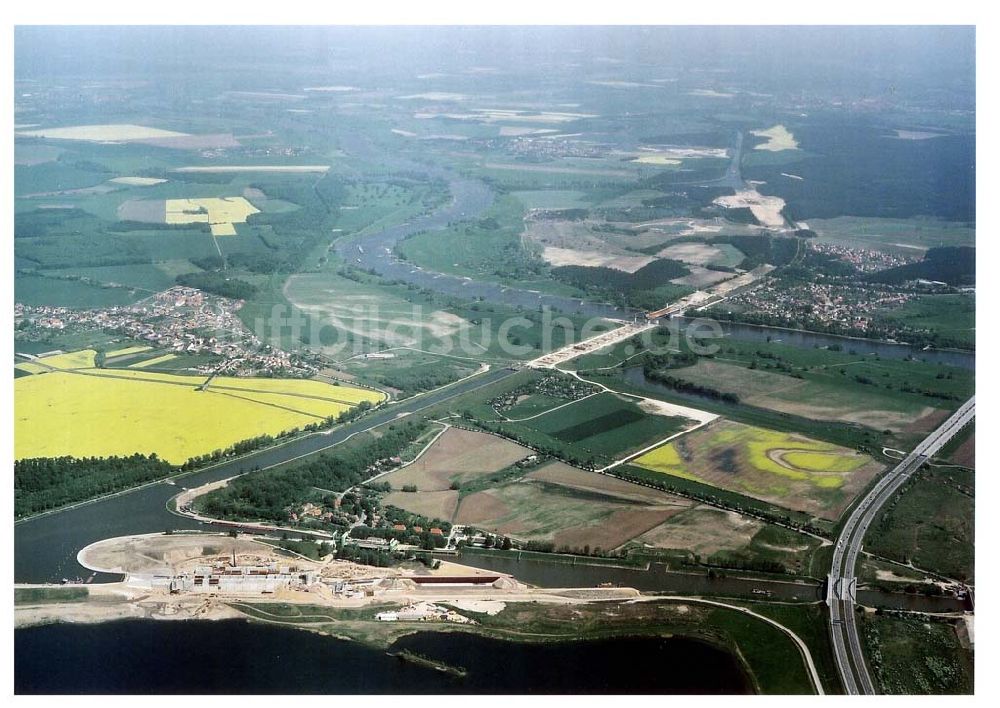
x,y
656,407
189,495
115,601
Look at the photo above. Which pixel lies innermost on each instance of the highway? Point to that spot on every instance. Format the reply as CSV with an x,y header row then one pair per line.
x,y
842,582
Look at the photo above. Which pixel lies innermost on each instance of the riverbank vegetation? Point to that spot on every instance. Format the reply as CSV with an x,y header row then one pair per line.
x,y
930,522
273,494
915,654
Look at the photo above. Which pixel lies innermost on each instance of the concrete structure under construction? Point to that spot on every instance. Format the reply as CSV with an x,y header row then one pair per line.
x,y
228,579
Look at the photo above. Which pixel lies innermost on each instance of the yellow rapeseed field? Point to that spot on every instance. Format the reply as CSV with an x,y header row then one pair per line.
x,y
320,408
306,388
301,387
83,359
666,460
101,412
771,457
219,212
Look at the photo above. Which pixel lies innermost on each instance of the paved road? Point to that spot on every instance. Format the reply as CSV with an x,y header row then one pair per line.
x,y
847,649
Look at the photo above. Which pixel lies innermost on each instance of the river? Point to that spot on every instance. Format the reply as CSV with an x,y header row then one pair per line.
x,y
471,198
812,340
238,657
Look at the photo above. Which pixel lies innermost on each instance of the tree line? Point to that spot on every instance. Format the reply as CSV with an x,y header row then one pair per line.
x,y
44,483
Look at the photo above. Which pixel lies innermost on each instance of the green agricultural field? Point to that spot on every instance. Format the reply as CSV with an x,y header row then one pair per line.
x,y
784,469
553,199
408,370
824,395
605,427
906,237
33,153
143,277
562,177
43,290
56,176
630,198
69,341
931,523
370,206
347,316
166,362
951,317
845,434
846,384
46,595
917,655
532,405
853,357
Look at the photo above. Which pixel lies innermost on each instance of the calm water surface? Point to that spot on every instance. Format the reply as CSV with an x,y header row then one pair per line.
x,y
235,656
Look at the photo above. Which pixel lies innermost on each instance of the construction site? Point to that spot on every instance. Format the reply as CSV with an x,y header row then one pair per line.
x,y
214,576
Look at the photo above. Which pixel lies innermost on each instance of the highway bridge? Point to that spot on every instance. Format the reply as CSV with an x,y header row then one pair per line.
x,y
842,582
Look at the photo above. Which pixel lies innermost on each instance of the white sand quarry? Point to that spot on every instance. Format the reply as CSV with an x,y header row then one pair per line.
x,y
766,209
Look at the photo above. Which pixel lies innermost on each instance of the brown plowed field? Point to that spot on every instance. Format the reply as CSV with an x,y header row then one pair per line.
x,y
567,476
459,455
621,526
570,507
433,505
703,530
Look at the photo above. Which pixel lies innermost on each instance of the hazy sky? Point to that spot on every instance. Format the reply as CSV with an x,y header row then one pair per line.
x,y
862,59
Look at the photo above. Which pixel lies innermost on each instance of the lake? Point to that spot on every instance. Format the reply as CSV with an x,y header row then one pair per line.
x,y
236,656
